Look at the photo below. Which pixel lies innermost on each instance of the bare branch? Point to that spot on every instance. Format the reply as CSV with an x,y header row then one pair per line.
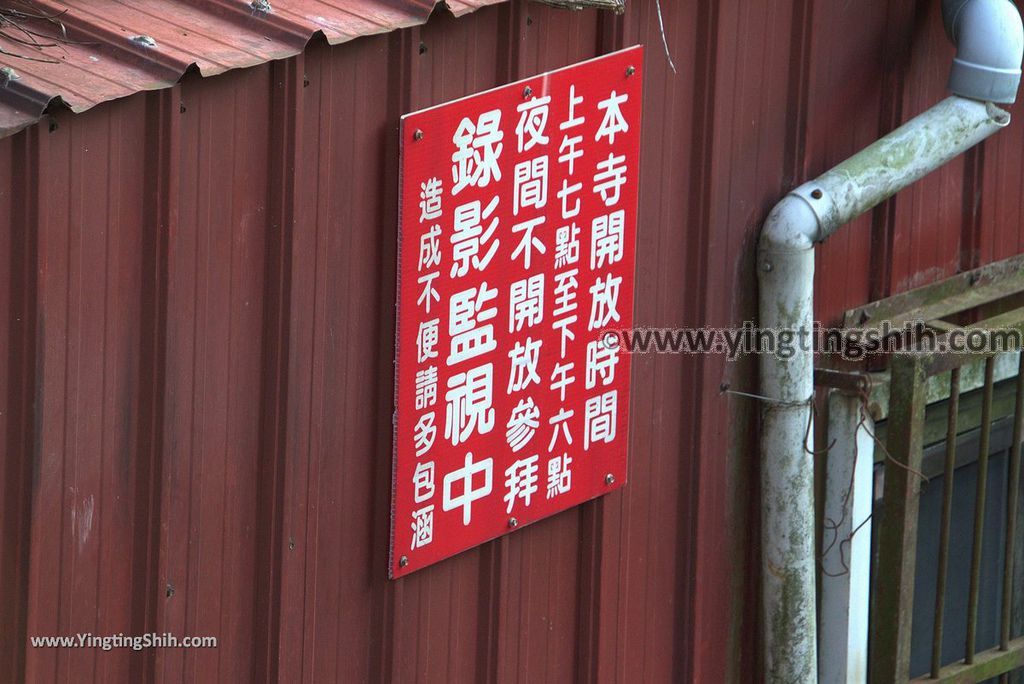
x,y
29,28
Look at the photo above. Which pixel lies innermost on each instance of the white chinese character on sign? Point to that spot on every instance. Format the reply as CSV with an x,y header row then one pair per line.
x,y
426,387
469,398
560,423
469,237
606,238
610,179
467,476
429,293
564,194
533,116
423,482
426,340
600,416
565,334
424,434
601,361
565,303
524,365
567,245
522,424
603,306
422,527
430,248
528,243
573,120
520,481
530,188
465,314
568,153
430,199
526,303
475,161
559,475
613,122
560,378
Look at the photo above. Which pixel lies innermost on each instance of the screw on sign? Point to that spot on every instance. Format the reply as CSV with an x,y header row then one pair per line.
x,y
517,242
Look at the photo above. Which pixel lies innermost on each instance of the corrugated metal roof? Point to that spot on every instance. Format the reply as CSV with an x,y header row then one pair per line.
x,y
89,51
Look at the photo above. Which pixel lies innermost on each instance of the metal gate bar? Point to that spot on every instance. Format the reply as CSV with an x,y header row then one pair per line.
x,y
979,513
947,513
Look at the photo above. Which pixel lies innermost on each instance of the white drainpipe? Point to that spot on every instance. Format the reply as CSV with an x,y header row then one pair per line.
x,y
990,45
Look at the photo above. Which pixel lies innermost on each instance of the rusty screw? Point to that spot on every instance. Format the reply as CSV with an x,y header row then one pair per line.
x,y
527,92
816,193
512,522
403,561
417,135
630,70
609,479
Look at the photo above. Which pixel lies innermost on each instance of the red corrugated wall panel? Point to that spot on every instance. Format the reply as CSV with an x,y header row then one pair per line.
x,y
197,315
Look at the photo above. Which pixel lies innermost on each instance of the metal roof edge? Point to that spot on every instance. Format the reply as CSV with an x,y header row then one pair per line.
x,y
86,52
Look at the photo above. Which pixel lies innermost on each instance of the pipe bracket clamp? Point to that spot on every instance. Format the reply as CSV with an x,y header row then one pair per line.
x,y
823,205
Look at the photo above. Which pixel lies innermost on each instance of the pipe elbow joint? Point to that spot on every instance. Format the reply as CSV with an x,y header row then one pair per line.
x,y
792,226
989,40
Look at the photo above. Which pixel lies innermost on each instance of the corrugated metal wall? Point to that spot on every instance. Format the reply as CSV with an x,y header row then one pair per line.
x,y
197,322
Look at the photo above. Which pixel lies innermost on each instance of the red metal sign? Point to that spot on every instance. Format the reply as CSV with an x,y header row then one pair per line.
x,y
517,240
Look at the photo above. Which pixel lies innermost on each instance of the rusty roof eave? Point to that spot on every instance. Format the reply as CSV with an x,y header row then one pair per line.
x,y
116,48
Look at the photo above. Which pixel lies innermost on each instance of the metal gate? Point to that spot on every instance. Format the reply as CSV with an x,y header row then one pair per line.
x,y
985,302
